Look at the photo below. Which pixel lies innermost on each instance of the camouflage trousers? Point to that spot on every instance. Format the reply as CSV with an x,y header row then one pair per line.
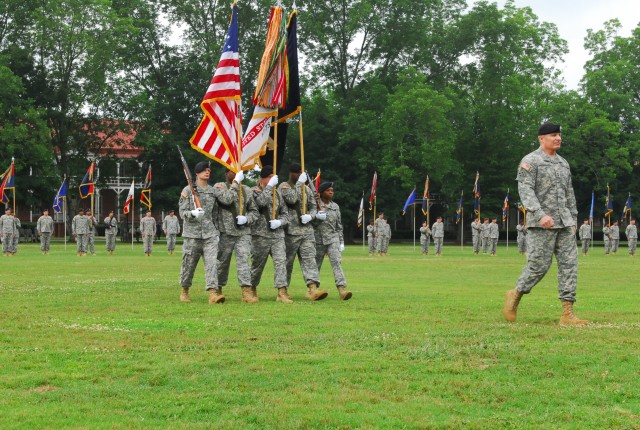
x,y
380,241
493,245
485,245
91,243
304,246
476,244
522,244
192,250
632,246
585,245
372,244
14,244
614,245
437,242
425,245
81,242
607,246
261,248
385,245
543,244
147,242
45,241
242,246
171,241
7,242
335,258
111,241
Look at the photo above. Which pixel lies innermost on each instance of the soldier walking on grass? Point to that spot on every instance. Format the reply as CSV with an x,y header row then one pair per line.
x,y
494,234
148,232
8,232
484,235
632,237
585,236
381,233
91,235
80,230
171,228
44,227
615,237
438,235
606,236
546,191
110,232
234,221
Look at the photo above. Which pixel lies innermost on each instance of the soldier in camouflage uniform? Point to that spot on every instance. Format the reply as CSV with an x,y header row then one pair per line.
x,y
387,239
522,237
494,234
16,240
329,237
148,232
8,232
544,184
171,228
484,235
438,235
267,234
371,237
200,235
615,237
585,236
110,232
234,222
80,229
476,235
425,238
632,237
44,227
381,233
299,236
606,236
91,236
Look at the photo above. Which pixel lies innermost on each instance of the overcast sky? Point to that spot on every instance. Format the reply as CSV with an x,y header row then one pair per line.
x,y
574,17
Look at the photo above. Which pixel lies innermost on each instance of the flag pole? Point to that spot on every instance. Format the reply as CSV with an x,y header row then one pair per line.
x,y
461,222
239,164
414,225
13,171
363,219
304,186
133,215
507,218
64,215
275,168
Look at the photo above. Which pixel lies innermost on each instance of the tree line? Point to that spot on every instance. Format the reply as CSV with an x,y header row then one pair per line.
x,y
404,88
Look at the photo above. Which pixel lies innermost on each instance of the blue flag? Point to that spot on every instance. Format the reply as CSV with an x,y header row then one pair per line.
x,y
627,208
410,200
459,210
592,202
58,201
609,202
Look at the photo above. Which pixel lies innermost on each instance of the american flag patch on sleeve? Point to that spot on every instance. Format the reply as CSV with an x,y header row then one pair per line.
x,y
526,166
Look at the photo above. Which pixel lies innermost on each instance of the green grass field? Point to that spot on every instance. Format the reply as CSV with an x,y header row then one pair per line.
x,y
103,342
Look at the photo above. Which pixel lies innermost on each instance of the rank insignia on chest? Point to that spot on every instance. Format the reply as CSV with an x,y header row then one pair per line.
x,y
526,166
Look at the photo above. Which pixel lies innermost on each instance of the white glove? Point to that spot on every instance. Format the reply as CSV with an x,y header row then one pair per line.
x,y
275,223
241,219
321,216
273,181
239,177
341,247
197,213
305,218
303,178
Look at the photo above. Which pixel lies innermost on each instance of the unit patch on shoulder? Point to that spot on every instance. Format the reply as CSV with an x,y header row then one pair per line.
x,y
526,166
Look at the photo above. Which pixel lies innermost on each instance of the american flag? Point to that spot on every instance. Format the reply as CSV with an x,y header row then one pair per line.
x,y
374,186
217,136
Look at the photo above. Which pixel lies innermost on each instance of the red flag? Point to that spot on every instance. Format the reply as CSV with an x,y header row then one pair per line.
x,y
316,181
374,186
127,204
145,194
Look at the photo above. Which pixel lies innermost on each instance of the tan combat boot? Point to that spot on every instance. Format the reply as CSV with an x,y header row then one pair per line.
x,y
215,296
511,305
283,296
248,295
568,317
184,295
314,294
344,294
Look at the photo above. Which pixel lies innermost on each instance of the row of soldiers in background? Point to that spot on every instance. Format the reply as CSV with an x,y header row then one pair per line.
x,y
485,235
437,232
611,235
378,235
9,232
255,223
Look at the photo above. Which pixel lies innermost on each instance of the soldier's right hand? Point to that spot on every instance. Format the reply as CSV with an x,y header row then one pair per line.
x,y
241,219
321,216
305,218
239,177
197,213
273,181
275,223
546,222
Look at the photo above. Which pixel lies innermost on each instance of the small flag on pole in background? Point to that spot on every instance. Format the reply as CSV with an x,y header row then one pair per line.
x,y
627,208
8,182
361,212
410,200
374,186
425,197
145,194
58,201
505,207
609,202
127,204
87,185
459,210
476,193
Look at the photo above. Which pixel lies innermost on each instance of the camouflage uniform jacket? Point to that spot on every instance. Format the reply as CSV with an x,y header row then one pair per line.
x,y
606,231
484,230
585,231
494,231
111,225
476,228
425,233
545,188
80,224
330,230
438,229
388,230
203,227
171,224
380,228
225,214
264,201
7,224
631,232
45,224
370,230
292,195
615,232
148,226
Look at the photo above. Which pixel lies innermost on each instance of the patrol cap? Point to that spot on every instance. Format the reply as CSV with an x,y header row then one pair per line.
x,y
201,166
295,168
266,171
80,210
549,128
325,186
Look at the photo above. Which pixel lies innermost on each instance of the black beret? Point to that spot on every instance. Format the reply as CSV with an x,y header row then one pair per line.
x,y
325,186
7,208
295,168
201,166
171,211
266,171
549,128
